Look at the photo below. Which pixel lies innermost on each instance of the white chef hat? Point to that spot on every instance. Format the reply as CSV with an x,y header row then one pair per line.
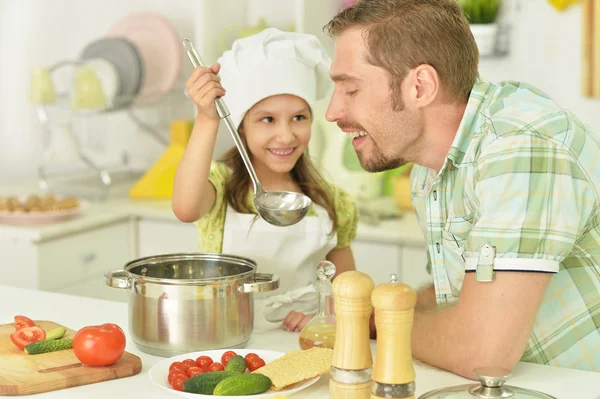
x,y
273,62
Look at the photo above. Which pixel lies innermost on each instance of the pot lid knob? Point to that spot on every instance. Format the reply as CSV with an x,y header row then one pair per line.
x,y
492,377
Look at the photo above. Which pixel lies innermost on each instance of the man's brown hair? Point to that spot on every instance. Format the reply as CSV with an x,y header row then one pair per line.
x,y
403,34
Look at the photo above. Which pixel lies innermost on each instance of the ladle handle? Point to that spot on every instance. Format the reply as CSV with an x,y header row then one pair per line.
x,y
223,112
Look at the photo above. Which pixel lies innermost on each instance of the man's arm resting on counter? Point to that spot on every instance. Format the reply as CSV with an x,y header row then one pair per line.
x,y
488,326
426,298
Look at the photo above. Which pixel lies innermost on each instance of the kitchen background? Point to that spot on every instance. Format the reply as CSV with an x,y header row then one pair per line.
x,y
545,50
540,45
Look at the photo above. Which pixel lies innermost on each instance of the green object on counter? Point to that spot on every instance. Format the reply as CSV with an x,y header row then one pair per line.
x,y
205,384
243,384
48,346
57,333
236,364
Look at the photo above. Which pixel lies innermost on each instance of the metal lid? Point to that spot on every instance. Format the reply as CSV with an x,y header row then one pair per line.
x,y
491,386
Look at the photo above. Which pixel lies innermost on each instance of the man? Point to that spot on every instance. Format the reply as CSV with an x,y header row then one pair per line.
x,y
506,187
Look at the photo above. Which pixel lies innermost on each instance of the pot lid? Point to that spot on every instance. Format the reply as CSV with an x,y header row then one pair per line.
x,y
491,386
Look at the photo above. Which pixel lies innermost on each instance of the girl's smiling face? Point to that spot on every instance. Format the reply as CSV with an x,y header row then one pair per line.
x,y
277,131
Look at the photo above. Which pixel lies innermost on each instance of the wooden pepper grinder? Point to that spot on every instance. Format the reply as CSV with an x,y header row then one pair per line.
x,y
352,362
393,372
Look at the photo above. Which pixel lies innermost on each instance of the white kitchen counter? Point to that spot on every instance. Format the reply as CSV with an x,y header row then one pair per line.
x,y
404,230
74,312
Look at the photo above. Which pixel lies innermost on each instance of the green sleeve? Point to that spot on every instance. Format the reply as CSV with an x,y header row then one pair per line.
x,y
347,217
210,226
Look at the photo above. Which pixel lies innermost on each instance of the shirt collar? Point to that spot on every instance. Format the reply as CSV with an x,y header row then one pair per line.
x,y
472,120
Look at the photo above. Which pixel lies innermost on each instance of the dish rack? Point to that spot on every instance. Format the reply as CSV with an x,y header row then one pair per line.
x,y
82,175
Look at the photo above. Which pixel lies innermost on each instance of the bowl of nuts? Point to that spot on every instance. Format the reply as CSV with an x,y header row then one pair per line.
x,y
39,209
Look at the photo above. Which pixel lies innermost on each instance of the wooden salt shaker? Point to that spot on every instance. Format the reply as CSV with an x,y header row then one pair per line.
x,y
393,372
352,362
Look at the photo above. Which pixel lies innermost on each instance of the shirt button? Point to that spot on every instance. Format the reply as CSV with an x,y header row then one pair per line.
x,y
460,251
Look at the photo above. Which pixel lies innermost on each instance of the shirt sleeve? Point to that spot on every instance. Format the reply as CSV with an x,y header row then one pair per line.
x,y
210,226
347,218
218,176
534,201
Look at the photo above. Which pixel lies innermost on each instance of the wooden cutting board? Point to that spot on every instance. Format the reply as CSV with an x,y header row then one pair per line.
x,y
23,374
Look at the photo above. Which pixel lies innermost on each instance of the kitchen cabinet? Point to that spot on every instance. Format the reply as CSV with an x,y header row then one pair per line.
x,y
413,261
71,257
157,237
73,263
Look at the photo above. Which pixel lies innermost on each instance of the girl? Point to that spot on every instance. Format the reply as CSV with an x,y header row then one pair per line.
x,y
270,82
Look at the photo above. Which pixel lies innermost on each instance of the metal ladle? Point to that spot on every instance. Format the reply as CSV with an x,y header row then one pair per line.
x,y
279,208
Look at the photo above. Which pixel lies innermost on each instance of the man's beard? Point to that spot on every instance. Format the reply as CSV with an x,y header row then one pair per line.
x,y
378,162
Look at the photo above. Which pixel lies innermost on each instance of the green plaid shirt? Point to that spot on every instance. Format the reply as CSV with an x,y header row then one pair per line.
x,y
524,175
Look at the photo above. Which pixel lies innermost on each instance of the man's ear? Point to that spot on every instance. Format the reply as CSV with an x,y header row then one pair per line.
x,y
424,85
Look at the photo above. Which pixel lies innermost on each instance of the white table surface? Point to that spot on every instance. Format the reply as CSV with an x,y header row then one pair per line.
x,y
77,312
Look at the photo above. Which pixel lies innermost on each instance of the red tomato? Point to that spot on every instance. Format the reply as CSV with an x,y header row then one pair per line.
x,y
23,322
174,374
27,335
192,371
203,362
179,366
99,345
226,356
190,363
256,364
249,357
177,382
216,366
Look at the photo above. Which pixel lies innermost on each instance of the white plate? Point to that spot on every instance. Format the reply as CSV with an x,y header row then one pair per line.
x,y
160,372
30,218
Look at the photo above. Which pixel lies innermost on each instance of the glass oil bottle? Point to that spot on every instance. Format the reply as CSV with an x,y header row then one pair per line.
x,y
320,330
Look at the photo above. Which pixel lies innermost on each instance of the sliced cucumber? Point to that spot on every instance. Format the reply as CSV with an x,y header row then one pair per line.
x,y
57,333
48,346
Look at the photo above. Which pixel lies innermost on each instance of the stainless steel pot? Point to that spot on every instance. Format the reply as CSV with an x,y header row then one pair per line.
x,y
181,303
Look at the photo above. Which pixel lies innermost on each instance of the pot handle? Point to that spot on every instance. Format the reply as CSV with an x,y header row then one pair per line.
x,y
117,279
263,282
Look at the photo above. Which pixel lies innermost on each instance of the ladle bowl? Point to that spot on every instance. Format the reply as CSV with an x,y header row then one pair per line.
x,y
279,208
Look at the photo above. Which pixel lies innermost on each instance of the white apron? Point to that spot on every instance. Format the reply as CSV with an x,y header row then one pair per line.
x,y
290,252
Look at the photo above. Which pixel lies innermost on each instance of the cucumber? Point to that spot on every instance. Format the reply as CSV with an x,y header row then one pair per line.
x,y
48,346
205,383
57,333
243,384
237,364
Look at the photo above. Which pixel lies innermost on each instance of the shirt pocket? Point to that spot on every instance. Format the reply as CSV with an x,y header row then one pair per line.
x,y
455,234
